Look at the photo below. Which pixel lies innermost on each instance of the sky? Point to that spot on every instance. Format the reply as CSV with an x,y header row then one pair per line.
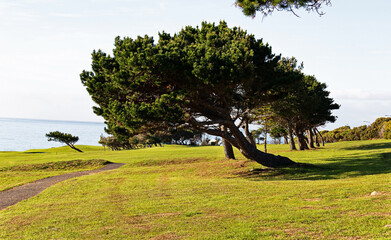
x,y
46,44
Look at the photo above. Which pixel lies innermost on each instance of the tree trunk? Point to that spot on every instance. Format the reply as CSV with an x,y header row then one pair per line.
x,y
74,148
265,137
301,140
228,150
291,139
265,159
236,138
310,137
249,136
286,141
250,151
321,137
316,138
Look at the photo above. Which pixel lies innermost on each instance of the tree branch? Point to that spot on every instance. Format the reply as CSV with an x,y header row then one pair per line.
x,y
216,131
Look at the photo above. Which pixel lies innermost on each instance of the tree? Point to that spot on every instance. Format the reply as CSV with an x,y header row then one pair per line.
x,y
337,134
228,149
208,78
387,130
315,109
257,133
267,7
378,127
285,110
306,105
66,138
185,136
113,143
278,132
262,116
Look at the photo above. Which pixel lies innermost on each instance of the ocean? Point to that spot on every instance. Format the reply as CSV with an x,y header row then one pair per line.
x,y
25,134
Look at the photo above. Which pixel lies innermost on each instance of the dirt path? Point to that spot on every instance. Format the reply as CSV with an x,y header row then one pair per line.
x,y
14,195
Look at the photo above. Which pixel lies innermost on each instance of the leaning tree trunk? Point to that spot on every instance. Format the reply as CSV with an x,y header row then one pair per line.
x,y
321,137
228,150
301,140
249,136
250,151
310,137
237,138
266,159
74,148
285,139
316,138
291,139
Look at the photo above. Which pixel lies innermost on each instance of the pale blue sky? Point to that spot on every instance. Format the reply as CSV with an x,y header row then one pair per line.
x,y
45,44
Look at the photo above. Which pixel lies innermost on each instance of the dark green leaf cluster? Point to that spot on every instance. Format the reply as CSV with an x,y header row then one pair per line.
x,y
266,7
66,138
206,72
184,137
62,137
278,132
307,103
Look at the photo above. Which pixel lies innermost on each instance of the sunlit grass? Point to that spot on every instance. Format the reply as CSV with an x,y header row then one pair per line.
x,y
178,192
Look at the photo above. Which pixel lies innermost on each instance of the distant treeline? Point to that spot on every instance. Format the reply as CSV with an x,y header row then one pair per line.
x,y
177,136
380,128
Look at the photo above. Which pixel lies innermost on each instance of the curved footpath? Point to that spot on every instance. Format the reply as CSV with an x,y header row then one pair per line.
x,y
14,195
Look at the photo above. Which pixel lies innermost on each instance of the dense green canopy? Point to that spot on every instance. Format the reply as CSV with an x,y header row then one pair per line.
x,y
307,105
208,78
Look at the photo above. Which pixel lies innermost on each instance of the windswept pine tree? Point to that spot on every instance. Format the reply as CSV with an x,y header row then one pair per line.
x,y
66,138
208,78
305,106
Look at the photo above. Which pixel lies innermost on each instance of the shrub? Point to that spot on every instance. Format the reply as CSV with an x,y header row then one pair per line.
x,y
387,130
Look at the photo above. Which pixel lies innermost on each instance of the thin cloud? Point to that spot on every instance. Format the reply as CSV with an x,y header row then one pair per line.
x,y
360,94
66,15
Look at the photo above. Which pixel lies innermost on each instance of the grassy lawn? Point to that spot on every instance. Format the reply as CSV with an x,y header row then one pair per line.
x,y
178,192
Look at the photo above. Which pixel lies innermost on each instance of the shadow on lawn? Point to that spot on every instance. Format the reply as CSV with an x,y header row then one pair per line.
x,y
334,168
370,146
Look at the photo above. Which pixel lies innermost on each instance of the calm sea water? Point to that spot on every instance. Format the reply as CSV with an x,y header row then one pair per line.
x,y
24,134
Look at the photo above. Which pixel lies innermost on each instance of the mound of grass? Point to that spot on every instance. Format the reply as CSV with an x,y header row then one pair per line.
x,y
59,166
12,176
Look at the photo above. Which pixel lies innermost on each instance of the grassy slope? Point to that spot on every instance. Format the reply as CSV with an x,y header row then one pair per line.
x,y
191,193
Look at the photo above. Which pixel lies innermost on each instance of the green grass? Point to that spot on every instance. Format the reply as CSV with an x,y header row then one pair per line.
x,y
178,192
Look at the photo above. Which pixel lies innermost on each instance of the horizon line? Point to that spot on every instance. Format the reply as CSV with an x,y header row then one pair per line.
x,y
36,119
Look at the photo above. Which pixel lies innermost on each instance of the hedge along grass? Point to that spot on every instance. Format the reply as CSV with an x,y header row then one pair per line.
x,y
192,193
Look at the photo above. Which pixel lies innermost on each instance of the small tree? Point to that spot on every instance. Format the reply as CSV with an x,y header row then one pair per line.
x,y
277,132
66,138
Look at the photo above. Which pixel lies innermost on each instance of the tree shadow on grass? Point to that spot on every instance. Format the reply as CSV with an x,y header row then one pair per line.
x,y
353,165
370,146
